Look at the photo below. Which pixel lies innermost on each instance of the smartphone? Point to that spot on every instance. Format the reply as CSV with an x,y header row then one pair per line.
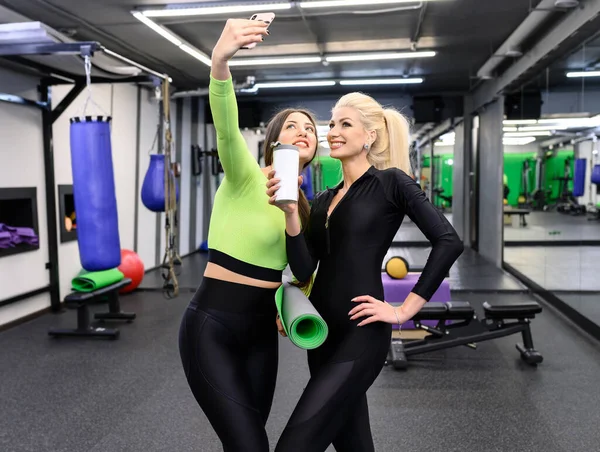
x,y
265,17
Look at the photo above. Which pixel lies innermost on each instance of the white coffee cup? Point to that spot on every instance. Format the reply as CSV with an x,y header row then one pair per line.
x,y
286,163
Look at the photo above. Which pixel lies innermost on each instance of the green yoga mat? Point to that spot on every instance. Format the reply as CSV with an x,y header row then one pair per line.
x,y
301,321
90,281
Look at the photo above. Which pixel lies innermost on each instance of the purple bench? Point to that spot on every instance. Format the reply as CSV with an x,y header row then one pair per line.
x,y
396,291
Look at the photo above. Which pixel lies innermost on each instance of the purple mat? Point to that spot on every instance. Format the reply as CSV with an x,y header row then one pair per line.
x,y
5,240
10,236
396,291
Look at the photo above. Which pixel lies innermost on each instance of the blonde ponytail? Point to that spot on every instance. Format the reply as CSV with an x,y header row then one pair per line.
x,y
391,147
398,130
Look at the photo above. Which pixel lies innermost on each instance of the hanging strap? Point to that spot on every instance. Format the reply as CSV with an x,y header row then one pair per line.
x,y
88,83
171,258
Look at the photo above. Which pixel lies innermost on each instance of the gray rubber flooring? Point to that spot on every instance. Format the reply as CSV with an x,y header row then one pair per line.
x,y
410,234
131,394
541,227
557,268
587,304
552,227
470,272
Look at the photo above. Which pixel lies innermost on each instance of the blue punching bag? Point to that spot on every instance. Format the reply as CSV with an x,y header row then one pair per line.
x,y
153,188
307,183
94,193
579,177
596,175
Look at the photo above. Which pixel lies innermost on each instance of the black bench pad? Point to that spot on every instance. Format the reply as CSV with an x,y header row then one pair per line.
x,y
525,310
453,310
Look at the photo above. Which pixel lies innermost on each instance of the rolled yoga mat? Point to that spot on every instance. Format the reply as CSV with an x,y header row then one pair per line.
x,y
301,322
90,281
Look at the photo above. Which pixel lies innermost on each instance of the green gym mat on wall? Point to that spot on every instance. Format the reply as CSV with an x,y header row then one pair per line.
x,y
331,172
90,281
443,178
554,167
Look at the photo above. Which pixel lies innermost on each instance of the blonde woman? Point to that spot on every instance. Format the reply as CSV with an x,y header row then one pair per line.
x,y
351,228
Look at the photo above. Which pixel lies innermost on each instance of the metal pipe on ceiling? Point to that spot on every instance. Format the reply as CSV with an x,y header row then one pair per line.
x,y
531,23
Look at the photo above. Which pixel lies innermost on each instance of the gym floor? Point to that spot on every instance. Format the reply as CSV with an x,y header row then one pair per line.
x,y
552,226
71,394
541,227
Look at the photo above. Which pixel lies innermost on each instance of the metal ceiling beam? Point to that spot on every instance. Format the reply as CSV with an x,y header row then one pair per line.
x,y
438,130
535,18
578,18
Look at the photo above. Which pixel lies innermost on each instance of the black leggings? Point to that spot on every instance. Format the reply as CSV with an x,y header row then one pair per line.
x,y
229,350
333,407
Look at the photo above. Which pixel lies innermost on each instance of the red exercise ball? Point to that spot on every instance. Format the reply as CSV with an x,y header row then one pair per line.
x,y
132,267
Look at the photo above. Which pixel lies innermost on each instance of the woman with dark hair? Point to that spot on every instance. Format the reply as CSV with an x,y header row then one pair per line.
x,y
228,335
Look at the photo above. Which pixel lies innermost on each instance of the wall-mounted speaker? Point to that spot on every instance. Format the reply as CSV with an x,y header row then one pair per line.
x,y
428,108
523,105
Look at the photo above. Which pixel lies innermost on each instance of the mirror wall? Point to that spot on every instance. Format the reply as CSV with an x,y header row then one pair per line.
x,y
551,201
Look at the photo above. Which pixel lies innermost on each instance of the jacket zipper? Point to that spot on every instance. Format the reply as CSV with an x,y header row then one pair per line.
x,y
327,234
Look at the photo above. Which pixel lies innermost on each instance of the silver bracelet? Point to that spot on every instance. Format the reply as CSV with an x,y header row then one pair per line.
x,y
397,318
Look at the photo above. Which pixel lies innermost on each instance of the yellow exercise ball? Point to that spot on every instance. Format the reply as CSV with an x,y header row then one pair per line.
x,y
397,267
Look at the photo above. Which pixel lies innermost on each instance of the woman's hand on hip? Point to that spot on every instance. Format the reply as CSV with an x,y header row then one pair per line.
x,y
375,310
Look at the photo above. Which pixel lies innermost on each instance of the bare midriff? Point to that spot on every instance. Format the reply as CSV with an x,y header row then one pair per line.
x,y
217,272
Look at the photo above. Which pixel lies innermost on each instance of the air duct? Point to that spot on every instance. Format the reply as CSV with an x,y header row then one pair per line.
x,y
535,18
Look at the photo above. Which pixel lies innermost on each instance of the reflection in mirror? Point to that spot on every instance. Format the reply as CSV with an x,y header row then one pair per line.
x,y
551,202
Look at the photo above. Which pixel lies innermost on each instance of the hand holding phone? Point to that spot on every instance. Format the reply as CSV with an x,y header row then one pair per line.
x,y
264,17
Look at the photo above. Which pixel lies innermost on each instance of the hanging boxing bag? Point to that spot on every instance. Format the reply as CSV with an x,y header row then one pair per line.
x,y
579,177
153,188
94,193
596,175
307,183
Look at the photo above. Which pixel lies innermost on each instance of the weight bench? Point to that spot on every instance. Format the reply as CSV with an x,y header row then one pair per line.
x,y
81,302
466,329
520,212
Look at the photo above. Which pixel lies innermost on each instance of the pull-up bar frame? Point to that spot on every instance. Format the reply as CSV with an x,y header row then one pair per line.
x,y
16,53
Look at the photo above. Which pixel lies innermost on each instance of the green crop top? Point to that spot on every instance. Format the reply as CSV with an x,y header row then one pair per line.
x,y
246,234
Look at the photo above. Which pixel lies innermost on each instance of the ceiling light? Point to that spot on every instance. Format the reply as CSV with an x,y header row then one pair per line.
x,y
382,81
298,84
345,3
583,74
519,121
507,141
142,16
378,56
158,28
177,11
173,38
563,121
518,141
546,133
267,61
538,128
196,54
510,129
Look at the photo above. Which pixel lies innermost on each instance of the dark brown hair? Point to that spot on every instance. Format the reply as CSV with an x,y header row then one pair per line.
x,y
272,135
